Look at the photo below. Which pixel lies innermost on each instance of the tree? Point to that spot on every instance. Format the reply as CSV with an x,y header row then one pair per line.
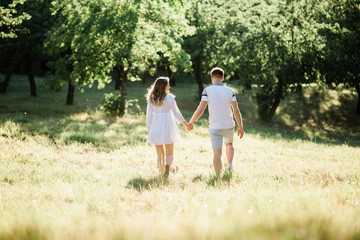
x,y
10,20
238,51
25,54
218,41
283,43
341,64
204,47
92,38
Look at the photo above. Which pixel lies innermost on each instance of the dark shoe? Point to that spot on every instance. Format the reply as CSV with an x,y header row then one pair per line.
x,y
167,170
174,169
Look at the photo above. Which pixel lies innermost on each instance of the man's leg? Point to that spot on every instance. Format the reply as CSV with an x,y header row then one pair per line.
x,y
217,160
160,151
229,154
216,143
169,149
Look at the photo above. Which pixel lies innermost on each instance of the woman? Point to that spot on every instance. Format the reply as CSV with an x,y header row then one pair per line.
x,y
161,114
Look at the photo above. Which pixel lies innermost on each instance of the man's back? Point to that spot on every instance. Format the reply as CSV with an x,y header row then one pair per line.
x,y
219,98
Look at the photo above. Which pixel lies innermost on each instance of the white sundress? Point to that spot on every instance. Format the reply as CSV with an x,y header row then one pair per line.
x,y
161,120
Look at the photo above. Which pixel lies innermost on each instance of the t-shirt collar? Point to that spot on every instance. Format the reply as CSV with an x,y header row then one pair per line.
x,y
218,84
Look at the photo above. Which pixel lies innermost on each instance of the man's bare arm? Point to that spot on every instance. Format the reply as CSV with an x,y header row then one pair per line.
x,y
199,111
238,118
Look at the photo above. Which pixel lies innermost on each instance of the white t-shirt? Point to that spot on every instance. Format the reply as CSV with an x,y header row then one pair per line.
x,y
219,98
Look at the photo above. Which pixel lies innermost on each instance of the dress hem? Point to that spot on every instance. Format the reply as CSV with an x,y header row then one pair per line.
x,y
164,143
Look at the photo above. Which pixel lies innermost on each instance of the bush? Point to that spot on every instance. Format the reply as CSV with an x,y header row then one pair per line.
x,y
112,104
132,106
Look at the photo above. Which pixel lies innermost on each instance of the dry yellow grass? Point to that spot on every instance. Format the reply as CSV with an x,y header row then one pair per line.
x,y
281,189
82,175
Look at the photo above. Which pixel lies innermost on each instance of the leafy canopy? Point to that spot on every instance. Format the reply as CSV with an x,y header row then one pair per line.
x,y
95,36
10,19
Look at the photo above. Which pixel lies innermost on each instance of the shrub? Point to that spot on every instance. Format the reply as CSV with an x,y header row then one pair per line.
x,y
132,106
112,104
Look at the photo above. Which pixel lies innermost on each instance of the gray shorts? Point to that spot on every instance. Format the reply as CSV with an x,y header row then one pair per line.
x,y
217,135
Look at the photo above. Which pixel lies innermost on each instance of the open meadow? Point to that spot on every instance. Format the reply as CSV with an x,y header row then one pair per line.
x,y
71,172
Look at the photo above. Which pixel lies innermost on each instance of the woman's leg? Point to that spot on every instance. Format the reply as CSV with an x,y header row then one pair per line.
x,y
160,151
169,153
169,149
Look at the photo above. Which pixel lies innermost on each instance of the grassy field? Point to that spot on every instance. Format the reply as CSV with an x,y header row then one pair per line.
x,y
70,172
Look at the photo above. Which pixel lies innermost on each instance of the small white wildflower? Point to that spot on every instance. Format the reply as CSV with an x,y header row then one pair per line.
x,y
219,211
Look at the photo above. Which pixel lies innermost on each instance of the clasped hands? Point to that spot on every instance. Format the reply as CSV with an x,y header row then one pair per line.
x,y
189,126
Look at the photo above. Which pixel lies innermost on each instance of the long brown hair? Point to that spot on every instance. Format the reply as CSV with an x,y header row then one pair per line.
x,y
156,93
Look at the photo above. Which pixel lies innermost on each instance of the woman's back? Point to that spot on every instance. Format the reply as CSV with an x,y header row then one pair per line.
x,y
166,105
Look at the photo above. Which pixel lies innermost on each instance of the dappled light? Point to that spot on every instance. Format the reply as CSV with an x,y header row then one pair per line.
x,y
156,119
103,169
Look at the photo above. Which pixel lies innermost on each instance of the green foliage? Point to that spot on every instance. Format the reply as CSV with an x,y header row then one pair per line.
x,y
25,53
341,64
265,99
280,43
91,38
10,19
133,106
276,44
204,47
112,104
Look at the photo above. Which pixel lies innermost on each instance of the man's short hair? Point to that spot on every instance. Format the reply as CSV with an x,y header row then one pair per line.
x,y
217,72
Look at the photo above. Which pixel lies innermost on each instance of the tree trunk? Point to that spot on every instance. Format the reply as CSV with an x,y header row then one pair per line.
x,y
276,102
198,78
70,94
248,84
118,79
30,73
298,88
32,85
170,75
357,87
4,85
146,75
123,78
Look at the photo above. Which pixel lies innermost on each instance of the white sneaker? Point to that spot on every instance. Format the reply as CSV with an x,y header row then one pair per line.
x,y
231,169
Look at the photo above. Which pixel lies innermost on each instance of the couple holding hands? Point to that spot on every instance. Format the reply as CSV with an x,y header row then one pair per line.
x,y
163,131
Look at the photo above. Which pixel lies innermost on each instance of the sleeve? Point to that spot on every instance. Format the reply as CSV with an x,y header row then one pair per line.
x,y
149,114
175,110
233,97
204,96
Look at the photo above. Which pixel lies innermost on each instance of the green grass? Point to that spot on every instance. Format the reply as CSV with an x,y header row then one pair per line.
x,y
70,172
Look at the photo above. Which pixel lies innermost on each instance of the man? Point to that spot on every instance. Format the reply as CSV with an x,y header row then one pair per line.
x,y
221,123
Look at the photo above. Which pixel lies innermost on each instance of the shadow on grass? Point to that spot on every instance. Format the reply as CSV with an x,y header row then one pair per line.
x,y
225,178
299,116
24,233
66,131
140,183
320,117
